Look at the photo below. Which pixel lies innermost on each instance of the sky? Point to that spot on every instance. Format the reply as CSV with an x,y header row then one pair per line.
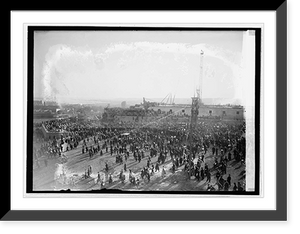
x,y
103,65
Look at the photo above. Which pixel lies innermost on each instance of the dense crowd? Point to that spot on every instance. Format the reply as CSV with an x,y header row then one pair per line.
x,y
68,125
164,140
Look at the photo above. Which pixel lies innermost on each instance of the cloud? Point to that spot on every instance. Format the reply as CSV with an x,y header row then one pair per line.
x,y
177,48
82,72
184,59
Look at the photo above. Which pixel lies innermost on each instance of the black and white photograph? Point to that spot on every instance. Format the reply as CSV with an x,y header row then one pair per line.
x,y
145,110
142,116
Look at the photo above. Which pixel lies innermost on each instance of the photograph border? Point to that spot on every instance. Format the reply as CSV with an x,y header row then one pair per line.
x,y
280,214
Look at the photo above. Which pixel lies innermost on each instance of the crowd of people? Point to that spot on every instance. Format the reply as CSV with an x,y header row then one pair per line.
x,y
168,142
225,141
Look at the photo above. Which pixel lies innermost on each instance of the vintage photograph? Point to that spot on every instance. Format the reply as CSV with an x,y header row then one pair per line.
x,y
144,110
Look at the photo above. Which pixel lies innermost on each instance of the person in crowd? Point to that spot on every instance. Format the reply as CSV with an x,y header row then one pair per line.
x,y
226,186
213,150
235,188
156,167
218,175
173,168
202,173
239,187
208,175
98,178
152,169
110,180
229,156
229,180
163,172
106,167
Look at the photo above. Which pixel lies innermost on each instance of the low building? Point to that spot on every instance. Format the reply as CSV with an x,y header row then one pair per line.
x,y
172,113
220,111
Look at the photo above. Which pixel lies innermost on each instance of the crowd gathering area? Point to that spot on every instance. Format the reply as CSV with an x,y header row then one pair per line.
x,y
162,157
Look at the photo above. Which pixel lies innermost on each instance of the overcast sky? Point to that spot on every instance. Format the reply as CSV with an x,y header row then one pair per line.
x,y
135,64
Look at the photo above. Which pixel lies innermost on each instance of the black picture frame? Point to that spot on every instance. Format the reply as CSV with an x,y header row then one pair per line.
x,y
280,214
